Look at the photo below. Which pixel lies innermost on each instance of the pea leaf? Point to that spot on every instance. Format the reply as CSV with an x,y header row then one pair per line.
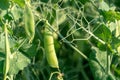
x,y
17,62
98,65
103,33
99,56
103,6
2,46
29,50
21,3
16,13
4,4
112,27
111,15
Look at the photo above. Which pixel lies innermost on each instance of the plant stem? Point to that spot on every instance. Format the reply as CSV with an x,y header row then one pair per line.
x,y
108,63
50,78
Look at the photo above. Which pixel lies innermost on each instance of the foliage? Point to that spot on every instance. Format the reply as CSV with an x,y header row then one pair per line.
x,y
59,40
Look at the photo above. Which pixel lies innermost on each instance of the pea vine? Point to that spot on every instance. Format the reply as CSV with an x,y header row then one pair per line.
x,y
59,40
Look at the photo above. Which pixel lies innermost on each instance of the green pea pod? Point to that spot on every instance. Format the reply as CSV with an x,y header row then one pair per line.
x,y
49,48
8,53
29,22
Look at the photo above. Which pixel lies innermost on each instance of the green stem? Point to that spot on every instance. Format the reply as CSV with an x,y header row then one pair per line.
x,y
108,63
59,78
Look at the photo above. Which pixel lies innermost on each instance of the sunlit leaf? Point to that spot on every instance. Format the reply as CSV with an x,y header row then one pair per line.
x,y
90,10
111,15
17,62
21,3
2,46
16,12
98,64
112,27
99,56
103,6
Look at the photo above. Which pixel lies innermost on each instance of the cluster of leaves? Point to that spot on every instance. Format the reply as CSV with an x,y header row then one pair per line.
x,y
86,38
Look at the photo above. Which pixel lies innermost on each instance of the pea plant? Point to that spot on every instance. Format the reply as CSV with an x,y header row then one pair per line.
x,y
59,40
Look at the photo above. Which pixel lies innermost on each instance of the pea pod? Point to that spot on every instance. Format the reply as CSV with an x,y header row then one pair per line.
x,y
29,22
49,48
8,53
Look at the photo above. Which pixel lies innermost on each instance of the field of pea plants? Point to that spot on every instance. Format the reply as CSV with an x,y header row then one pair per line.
x,y
59,39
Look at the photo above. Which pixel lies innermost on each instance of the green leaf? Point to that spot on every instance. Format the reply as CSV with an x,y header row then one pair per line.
x,y
103,33
12,42
8,16
111,15
2,56
115,42
16,13
97,71
29,49
90,10
99,56
116,70
1,66
112,26
2,46
17,62
21,3
54,1
4,4
103,6
98,64
83,1
3,13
